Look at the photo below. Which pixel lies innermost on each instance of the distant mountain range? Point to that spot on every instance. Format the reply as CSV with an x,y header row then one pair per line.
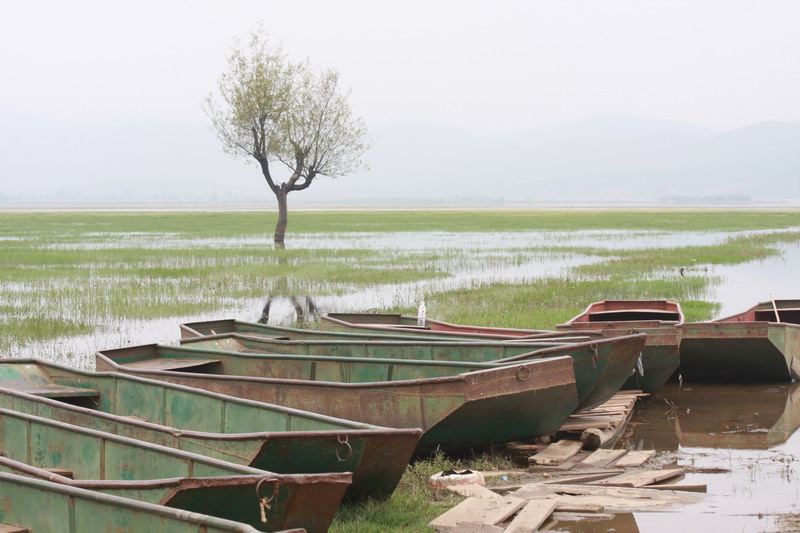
x,y
603,159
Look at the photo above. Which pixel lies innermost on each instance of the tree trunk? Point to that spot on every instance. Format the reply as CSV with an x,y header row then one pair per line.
x,y
283,215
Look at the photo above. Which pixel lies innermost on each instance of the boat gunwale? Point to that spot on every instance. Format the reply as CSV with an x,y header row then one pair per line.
x,y
753,309
178,432
291,411
461,379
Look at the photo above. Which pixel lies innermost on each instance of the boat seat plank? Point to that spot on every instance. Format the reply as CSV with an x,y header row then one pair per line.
x,y
55,391
165,363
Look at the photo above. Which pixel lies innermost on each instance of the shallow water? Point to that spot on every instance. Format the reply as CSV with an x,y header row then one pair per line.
x,y
743,439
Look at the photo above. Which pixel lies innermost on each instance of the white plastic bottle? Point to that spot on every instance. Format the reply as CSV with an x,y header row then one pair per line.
x,y
421,315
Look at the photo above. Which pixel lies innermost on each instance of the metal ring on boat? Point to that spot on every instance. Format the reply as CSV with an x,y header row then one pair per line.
x,y
349,449
274,491
520,373
264,503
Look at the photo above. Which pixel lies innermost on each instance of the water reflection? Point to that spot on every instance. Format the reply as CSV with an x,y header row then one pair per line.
x,y
305,310
751,417
620,523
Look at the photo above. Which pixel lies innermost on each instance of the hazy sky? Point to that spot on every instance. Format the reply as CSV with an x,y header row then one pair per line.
x,y
486,67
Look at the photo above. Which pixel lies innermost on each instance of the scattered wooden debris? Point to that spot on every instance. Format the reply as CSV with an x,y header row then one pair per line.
x,y
608,499
556,453
640,478
531,516
473,491
585,482
601,458
634,458
491,511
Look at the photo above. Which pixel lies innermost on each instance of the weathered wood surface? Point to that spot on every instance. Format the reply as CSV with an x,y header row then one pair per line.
x,y
490,511
601,458
556,453
584,477
686,487
532,516
635,458
610,499
640,478
473,491
472,527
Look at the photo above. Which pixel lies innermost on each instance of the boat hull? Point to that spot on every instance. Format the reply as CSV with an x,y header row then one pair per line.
x,y
600,367
740,351
25,497
135,469
244,432
504,403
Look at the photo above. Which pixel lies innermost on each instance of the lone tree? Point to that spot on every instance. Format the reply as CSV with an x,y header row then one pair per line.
x,y
283,113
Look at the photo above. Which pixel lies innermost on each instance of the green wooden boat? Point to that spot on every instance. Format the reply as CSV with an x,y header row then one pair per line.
x,y
375,332
761,344
600,367
464,406
190,330
397,324
76,510
263,436
111,464
658,319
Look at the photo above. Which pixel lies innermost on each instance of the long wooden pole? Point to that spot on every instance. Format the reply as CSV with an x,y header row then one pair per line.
x,y
775,308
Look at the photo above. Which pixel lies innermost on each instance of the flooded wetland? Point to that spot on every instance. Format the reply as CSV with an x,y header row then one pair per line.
x,y
75,283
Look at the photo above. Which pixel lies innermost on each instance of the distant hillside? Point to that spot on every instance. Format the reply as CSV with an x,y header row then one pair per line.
x,y
610,158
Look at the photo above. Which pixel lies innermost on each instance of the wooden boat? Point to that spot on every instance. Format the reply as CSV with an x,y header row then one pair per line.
x,y
457,411
190,330
255,434
760,344
74,509
107,463
659,319
404,324
600,367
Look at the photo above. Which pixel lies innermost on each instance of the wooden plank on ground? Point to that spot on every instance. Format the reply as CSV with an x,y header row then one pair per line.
x,y
531,516
640,478
606,499
473,491
583,423
491,511
583,478
556,453
687,487
635,458
601,458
